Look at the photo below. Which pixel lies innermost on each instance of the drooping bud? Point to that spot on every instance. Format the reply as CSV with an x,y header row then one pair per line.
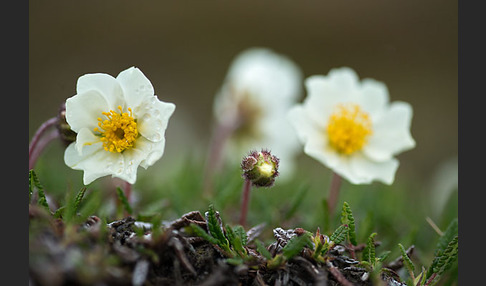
x,y
65,133
261,168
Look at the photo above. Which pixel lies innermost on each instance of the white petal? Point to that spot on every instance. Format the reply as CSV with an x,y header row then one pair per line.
x,y
72,156
373,96
339,164
154,152
85,138
105,84
131,158
319,150
136,86
324,93
391,133
312,137
302,124
152,118
368,170
95,164
321,98
84,109
344,78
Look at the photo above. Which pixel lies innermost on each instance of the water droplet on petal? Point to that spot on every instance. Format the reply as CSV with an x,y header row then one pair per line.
x,y
155,137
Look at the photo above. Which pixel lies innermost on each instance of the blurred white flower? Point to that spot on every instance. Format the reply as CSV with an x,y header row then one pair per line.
x,y
259,88
120,125
350,126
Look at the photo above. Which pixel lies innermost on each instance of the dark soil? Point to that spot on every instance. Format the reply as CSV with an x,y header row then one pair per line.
x,y
127,252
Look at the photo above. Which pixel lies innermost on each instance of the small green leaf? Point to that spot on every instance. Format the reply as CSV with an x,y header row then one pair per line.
x,y
449,234
443,244
407,261
43,200
318,248
235,261
123,199
199,231
347,218
366,265
263,250
32,178
34,182
420,278
72,212
215,230
384,256
79,198
90,205
339,234
241,233
59,212
369,251
295,245
235,240
447,257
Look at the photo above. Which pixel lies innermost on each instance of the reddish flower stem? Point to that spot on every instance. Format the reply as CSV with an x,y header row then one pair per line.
x,y
333,193
40,140
40,131
128,190
245,200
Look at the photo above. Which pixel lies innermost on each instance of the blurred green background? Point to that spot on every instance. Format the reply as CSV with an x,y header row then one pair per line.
x,y
185,48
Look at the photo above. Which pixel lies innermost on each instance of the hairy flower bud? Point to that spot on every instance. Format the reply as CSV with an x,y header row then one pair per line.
x,y
261,168
65,133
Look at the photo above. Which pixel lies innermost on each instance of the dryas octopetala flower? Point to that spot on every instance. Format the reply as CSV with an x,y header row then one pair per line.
x,y
350,126
260,168
120,125
259,88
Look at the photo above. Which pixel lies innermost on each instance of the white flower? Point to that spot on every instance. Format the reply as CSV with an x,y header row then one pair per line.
x,y
350,126
259,89
120,125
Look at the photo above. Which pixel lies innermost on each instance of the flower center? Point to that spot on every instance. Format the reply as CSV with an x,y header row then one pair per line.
x,y
119,131
249,115
348,128
266,169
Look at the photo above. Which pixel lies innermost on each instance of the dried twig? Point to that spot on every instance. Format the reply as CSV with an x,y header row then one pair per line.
x,y
338,275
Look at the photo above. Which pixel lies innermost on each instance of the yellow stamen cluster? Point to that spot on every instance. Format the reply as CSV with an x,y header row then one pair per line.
x,y
348,129
119,131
